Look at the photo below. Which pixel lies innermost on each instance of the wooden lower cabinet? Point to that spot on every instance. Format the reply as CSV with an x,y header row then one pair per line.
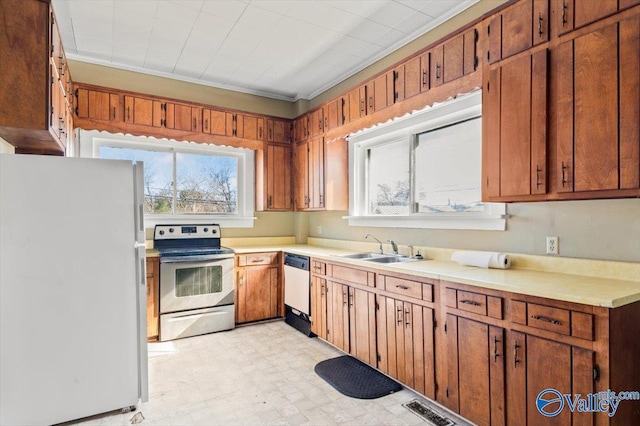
x,y
351,321
319,307
538,364
405,343
475,358
153,298
259,294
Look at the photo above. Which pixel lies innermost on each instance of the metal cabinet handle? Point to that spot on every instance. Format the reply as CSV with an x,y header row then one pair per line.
x,y
195,124
564,12
257,260
471,302
407,317
495,349
546,319
540,24
402,287
538,170
516,361
344,297
399,315
564,168
114,113
424,77
437,71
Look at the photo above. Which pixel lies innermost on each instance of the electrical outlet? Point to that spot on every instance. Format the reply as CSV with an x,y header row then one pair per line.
x,y
552,245
319,230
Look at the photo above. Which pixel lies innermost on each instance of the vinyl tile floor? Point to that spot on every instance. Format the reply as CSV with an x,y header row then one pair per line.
x,y
258,374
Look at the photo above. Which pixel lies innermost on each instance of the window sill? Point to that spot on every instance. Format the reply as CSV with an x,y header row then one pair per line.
x,y
223,221
494,222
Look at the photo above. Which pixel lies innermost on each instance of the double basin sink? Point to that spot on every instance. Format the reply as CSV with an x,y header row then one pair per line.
x,y
379,258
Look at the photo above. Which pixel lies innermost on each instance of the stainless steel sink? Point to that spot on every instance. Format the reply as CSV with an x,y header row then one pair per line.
x,y
391,259
365,256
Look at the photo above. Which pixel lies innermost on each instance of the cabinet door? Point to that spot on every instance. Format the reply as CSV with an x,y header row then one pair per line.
x,y
301,175
516,30
588,150
234,125
257,293
380,99
470,51
370,96
476,383
276,131
319,306
362,325
141,111
453,51
316,173
437,66
97,105
278,177
412,77
316,123
629,103
217,124
356,105
250,127
300,128
540,21
338,315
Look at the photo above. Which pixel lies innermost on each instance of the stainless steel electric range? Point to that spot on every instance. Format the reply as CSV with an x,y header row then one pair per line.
x,y
196,281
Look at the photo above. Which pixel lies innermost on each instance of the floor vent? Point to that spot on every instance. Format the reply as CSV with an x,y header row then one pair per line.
x,y
428,414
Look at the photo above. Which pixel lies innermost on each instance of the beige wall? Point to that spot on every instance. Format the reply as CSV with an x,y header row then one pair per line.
x,y
6,148
593,229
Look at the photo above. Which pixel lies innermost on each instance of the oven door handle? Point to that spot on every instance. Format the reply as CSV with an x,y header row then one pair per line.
x,y
191,259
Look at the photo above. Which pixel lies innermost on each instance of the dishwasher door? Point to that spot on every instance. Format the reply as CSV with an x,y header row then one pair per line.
x,y
297,283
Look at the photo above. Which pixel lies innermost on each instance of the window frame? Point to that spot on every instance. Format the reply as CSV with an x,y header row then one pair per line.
x,y
462,108
90,143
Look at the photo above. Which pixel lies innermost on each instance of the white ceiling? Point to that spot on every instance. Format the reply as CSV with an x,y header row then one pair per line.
x,y
284,49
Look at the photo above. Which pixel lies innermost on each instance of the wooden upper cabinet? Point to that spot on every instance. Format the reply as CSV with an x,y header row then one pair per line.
x,y
572,14
316,122
470,51
517,28
380,90
413,77
453,58
143,111
278,177
278,131
514,128
235,124
301,128
182,117
214,122
436,62
597,134
370,97
357,103
332,114
98,105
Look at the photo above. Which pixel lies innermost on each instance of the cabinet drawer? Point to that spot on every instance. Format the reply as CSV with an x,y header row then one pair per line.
x,y
563,321
318,268
549,318
477,303
415,289
356,276
258,259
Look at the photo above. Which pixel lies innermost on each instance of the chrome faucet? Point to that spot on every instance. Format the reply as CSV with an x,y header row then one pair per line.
x,y
369,235
394,246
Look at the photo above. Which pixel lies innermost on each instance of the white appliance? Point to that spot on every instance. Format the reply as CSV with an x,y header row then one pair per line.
x,y
72,288
297,292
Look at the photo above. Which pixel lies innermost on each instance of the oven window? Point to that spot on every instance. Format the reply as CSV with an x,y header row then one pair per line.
x,y
199,280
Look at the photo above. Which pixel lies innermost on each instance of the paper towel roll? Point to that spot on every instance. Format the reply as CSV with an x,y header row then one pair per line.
x,y
483,259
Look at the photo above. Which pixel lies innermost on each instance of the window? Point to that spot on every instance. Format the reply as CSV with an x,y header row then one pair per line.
x,y
423,170
184,182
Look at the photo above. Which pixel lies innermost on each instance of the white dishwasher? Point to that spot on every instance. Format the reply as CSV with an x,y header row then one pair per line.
x,y
297,292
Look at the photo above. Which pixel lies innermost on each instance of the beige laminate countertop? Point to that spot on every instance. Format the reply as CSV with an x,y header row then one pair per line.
x,y
595,291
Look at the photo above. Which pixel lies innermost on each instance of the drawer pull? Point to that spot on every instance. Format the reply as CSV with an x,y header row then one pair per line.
x,y
257,260
545,319
402,287
516,361
471,302
495,349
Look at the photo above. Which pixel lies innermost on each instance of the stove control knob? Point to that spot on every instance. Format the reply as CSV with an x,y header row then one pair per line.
x,y
214,232
171,230
161,232
206,229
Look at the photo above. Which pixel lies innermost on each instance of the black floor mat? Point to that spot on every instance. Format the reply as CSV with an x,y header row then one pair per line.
x,y
356,379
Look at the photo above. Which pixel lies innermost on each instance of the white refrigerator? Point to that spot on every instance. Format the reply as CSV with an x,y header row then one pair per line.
x,y
72,288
